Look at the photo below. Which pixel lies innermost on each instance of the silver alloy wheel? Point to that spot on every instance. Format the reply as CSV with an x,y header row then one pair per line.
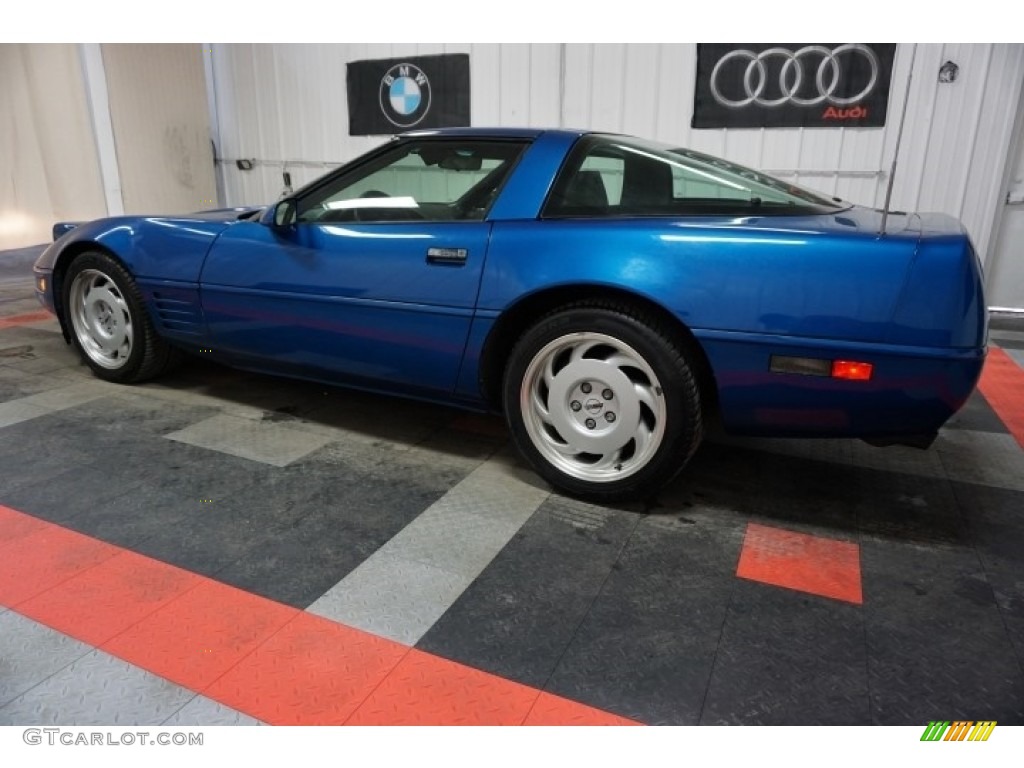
x,y
593,407
101,318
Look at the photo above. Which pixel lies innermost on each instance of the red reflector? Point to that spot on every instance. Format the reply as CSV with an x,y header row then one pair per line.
x,y
848,369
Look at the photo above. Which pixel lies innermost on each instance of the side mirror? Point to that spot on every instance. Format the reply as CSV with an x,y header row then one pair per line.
x,y
285,213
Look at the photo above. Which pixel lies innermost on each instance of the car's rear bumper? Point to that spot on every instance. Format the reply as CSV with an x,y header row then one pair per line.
x,y
912,391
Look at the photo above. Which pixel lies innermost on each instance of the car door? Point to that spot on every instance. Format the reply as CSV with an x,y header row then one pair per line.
x,y
375,280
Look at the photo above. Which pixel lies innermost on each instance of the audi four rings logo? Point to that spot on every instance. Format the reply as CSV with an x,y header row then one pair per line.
x,y
807,77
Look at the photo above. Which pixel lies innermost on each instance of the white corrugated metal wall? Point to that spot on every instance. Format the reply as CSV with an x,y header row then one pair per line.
x,y
286,104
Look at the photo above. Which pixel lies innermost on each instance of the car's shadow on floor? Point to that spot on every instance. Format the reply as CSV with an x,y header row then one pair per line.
x,y
798,484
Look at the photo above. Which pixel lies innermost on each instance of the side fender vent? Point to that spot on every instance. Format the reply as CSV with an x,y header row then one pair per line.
x,y
177,314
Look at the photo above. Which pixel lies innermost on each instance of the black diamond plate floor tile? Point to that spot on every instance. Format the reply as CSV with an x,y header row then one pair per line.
x,y
516,619
937,641
646,648
788,658
978,415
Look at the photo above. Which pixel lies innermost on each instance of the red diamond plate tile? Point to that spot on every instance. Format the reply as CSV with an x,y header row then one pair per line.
x,y
427,690
799,561
15,526
313,672
554,710
198,637
1002,384
46,556
101,602
29,317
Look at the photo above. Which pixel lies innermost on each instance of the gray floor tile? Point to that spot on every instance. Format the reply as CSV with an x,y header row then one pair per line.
x,y
30,653
267,442
392,597
97,689
204,711
440,552
17,411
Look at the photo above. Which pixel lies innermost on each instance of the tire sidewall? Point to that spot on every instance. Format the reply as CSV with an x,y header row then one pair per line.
x,y
119,276
682,410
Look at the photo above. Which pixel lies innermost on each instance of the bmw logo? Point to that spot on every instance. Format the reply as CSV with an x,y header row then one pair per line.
x,y
405,95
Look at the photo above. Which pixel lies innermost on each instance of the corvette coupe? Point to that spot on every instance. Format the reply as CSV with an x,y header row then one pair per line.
x,y
611,296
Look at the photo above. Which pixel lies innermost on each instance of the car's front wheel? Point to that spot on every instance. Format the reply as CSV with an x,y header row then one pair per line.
x,y
604,402
109,325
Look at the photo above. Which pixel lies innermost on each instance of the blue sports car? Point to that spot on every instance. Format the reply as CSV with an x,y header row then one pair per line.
x,y
612,296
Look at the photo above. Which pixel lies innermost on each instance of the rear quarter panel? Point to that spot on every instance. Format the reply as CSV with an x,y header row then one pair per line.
x,y
784,278
811,286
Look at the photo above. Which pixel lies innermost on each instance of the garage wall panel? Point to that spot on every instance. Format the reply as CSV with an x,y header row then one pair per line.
x,y
956,138
49,169
161,126
286,106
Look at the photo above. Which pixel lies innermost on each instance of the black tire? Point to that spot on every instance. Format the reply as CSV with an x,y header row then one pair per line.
x,y
572,435
108,322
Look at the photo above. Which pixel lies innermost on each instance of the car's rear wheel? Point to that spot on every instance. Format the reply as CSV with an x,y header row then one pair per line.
x,y
603,401
109,325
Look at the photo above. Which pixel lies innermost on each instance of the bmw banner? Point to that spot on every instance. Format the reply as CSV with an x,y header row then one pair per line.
x,y
783,85
388,96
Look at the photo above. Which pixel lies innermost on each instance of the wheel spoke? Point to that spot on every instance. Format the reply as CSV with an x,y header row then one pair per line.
x,y
539,405
579,350
646,396
619,360
608,461
549,372
642,436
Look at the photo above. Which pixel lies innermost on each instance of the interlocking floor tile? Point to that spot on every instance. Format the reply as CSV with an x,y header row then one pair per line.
x,y
202,634
203,711
311,672
97,689
30,653
1002,382
103,601
28,317
44,558
427,690
798,561
268,442
554,710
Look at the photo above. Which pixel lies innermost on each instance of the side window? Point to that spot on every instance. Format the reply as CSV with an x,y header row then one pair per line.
x,y
430,180
615,176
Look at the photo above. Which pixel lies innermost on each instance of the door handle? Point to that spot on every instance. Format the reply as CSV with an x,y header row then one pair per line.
x,y
452,257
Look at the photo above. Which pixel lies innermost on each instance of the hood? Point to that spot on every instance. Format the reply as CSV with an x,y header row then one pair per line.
x,y
216,214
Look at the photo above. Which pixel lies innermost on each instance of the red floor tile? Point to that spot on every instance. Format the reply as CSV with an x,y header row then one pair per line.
x,y
274,662
42,558
1002,384
198,637
28,317
312,672
101,602
427,690
15,525
798,561
554,710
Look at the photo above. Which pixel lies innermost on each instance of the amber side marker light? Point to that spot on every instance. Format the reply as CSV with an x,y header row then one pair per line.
x,y
852,370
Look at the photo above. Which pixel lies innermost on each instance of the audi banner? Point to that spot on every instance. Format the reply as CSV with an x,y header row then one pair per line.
x,y
787,85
